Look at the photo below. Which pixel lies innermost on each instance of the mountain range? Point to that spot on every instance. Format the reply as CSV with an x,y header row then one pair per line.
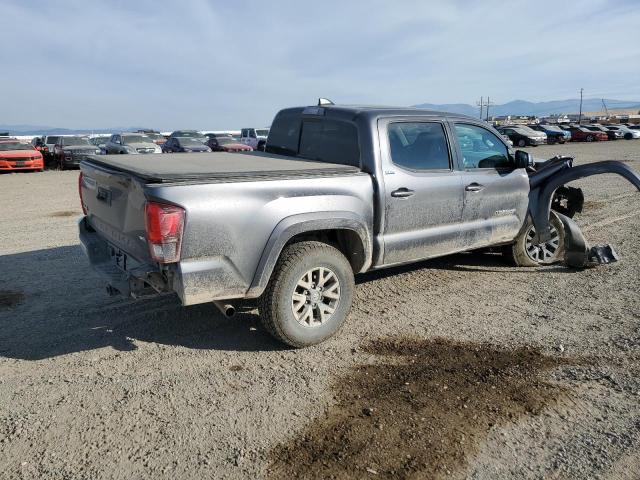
x,y
515,107
523,107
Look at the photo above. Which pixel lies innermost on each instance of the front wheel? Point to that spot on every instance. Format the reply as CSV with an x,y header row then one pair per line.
x,y
525,252
589,138
522,142
309,294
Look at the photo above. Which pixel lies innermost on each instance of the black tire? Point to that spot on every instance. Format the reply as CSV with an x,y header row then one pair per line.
x,y
276,305
628,136
522,142
523,255
589,138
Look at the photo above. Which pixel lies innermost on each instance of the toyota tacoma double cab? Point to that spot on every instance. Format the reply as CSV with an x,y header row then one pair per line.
x,y
340,190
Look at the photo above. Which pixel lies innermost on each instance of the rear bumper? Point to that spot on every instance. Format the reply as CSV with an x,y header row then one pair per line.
x,y
7,165
194,281
137,280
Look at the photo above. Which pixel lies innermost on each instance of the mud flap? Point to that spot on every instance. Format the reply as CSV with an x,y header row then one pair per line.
x,y
578,254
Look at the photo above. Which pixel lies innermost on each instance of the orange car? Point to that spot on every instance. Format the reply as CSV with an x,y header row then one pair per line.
x,y
19,156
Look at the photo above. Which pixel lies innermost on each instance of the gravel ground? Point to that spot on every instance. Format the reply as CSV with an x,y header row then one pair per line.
x,y
462,367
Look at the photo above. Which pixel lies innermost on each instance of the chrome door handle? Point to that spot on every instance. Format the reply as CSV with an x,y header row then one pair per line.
x,y
474,187
402,193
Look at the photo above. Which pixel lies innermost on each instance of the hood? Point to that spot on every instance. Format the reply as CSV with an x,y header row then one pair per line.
x,y
20,154
76,148
141,145
196,148
235,146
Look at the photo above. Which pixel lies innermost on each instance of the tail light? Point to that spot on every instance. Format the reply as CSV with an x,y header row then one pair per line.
x,y
84,209
164,224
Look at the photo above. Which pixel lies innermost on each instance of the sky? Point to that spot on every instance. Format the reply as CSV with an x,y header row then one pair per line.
x,y
209,64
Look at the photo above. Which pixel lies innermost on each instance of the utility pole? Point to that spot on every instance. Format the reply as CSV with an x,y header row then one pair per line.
x,y
488,103
481,104
605,108
580,114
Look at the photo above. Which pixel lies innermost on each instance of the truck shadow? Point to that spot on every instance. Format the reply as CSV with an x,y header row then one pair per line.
x,y
51,303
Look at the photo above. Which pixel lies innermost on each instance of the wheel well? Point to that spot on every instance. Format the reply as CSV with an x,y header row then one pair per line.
x,y
345,240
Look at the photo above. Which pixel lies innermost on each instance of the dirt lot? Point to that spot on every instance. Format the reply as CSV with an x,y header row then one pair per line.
x,y
462,367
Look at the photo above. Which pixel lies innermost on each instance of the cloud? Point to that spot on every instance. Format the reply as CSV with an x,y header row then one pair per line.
x,y
207,64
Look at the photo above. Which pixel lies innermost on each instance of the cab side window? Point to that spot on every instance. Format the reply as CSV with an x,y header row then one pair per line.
x,y
481,149
419,145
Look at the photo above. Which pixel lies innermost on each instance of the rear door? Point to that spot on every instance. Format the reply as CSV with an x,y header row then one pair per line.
x,y
422,190
496,195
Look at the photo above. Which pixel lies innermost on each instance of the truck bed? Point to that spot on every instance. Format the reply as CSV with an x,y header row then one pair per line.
x,y
216,166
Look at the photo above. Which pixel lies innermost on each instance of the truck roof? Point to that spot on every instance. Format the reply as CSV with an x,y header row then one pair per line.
x,y
374,111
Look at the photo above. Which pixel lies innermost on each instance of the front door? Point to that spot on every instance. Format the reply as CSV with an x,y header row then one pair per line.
x,y
422,189
496,195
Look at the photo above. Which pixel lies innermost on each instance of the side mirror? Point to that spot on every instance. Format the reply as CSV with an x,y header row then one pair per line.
x,y
524,159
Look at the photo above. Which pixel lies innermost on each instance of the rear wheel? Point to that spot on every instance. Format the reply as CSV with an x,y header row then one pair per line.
x,y
589,138
525,252
522,142
309,294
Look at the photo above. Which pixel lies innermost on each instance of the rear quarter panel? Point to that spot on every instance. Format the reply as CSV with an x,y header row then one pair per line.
x,y
228,225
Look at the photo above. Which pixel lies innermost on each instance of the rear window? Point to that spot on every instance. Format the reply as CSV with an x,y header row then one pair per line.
x,y
285,134
324,140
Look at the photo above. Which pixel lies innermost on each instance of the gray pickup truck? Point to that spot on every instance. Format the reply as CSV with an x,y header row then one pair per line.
x,y
340,190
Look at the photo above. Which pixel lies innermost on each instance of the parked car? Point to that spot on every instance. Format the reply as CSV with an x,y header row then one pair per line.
x,y
189,134
100,142
254,136
131,143
157,137
226,143
554,134
70,150
624,131
582,134
49,142
16,156
523,136
611,135
184,144
38,144
340,190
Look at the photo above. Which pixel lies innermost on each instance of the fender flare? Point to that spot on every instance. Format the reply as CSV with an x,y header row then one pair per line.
x,y
541,197
294,225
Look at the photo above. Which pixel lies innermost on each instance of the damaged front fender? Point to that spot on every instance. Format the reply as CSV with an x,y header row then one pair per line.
x,y
557,172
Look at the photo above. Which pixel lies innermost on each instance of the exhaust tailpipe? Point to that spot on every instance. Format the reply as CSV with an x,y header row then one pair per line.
x,y
227,309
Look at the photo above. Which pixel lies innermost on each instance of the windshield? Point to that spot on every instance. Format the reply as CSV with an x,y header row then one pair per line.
x,y
262,133
188,133
6,146
99,140
51,140
552,128
66,141
129,139
155,136
188,141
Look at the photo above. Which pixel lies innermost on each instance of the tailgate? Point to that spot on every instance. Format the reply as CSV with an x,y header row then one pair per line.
x,y
115,203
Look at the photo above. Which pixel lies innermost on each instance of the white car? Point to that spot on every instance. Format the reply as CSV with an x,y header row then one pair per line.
x,y
627,133
254,136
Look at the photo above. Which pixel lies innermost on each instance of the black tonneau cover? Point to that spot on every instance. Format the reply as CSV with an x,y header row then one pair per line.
x,y
175,167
